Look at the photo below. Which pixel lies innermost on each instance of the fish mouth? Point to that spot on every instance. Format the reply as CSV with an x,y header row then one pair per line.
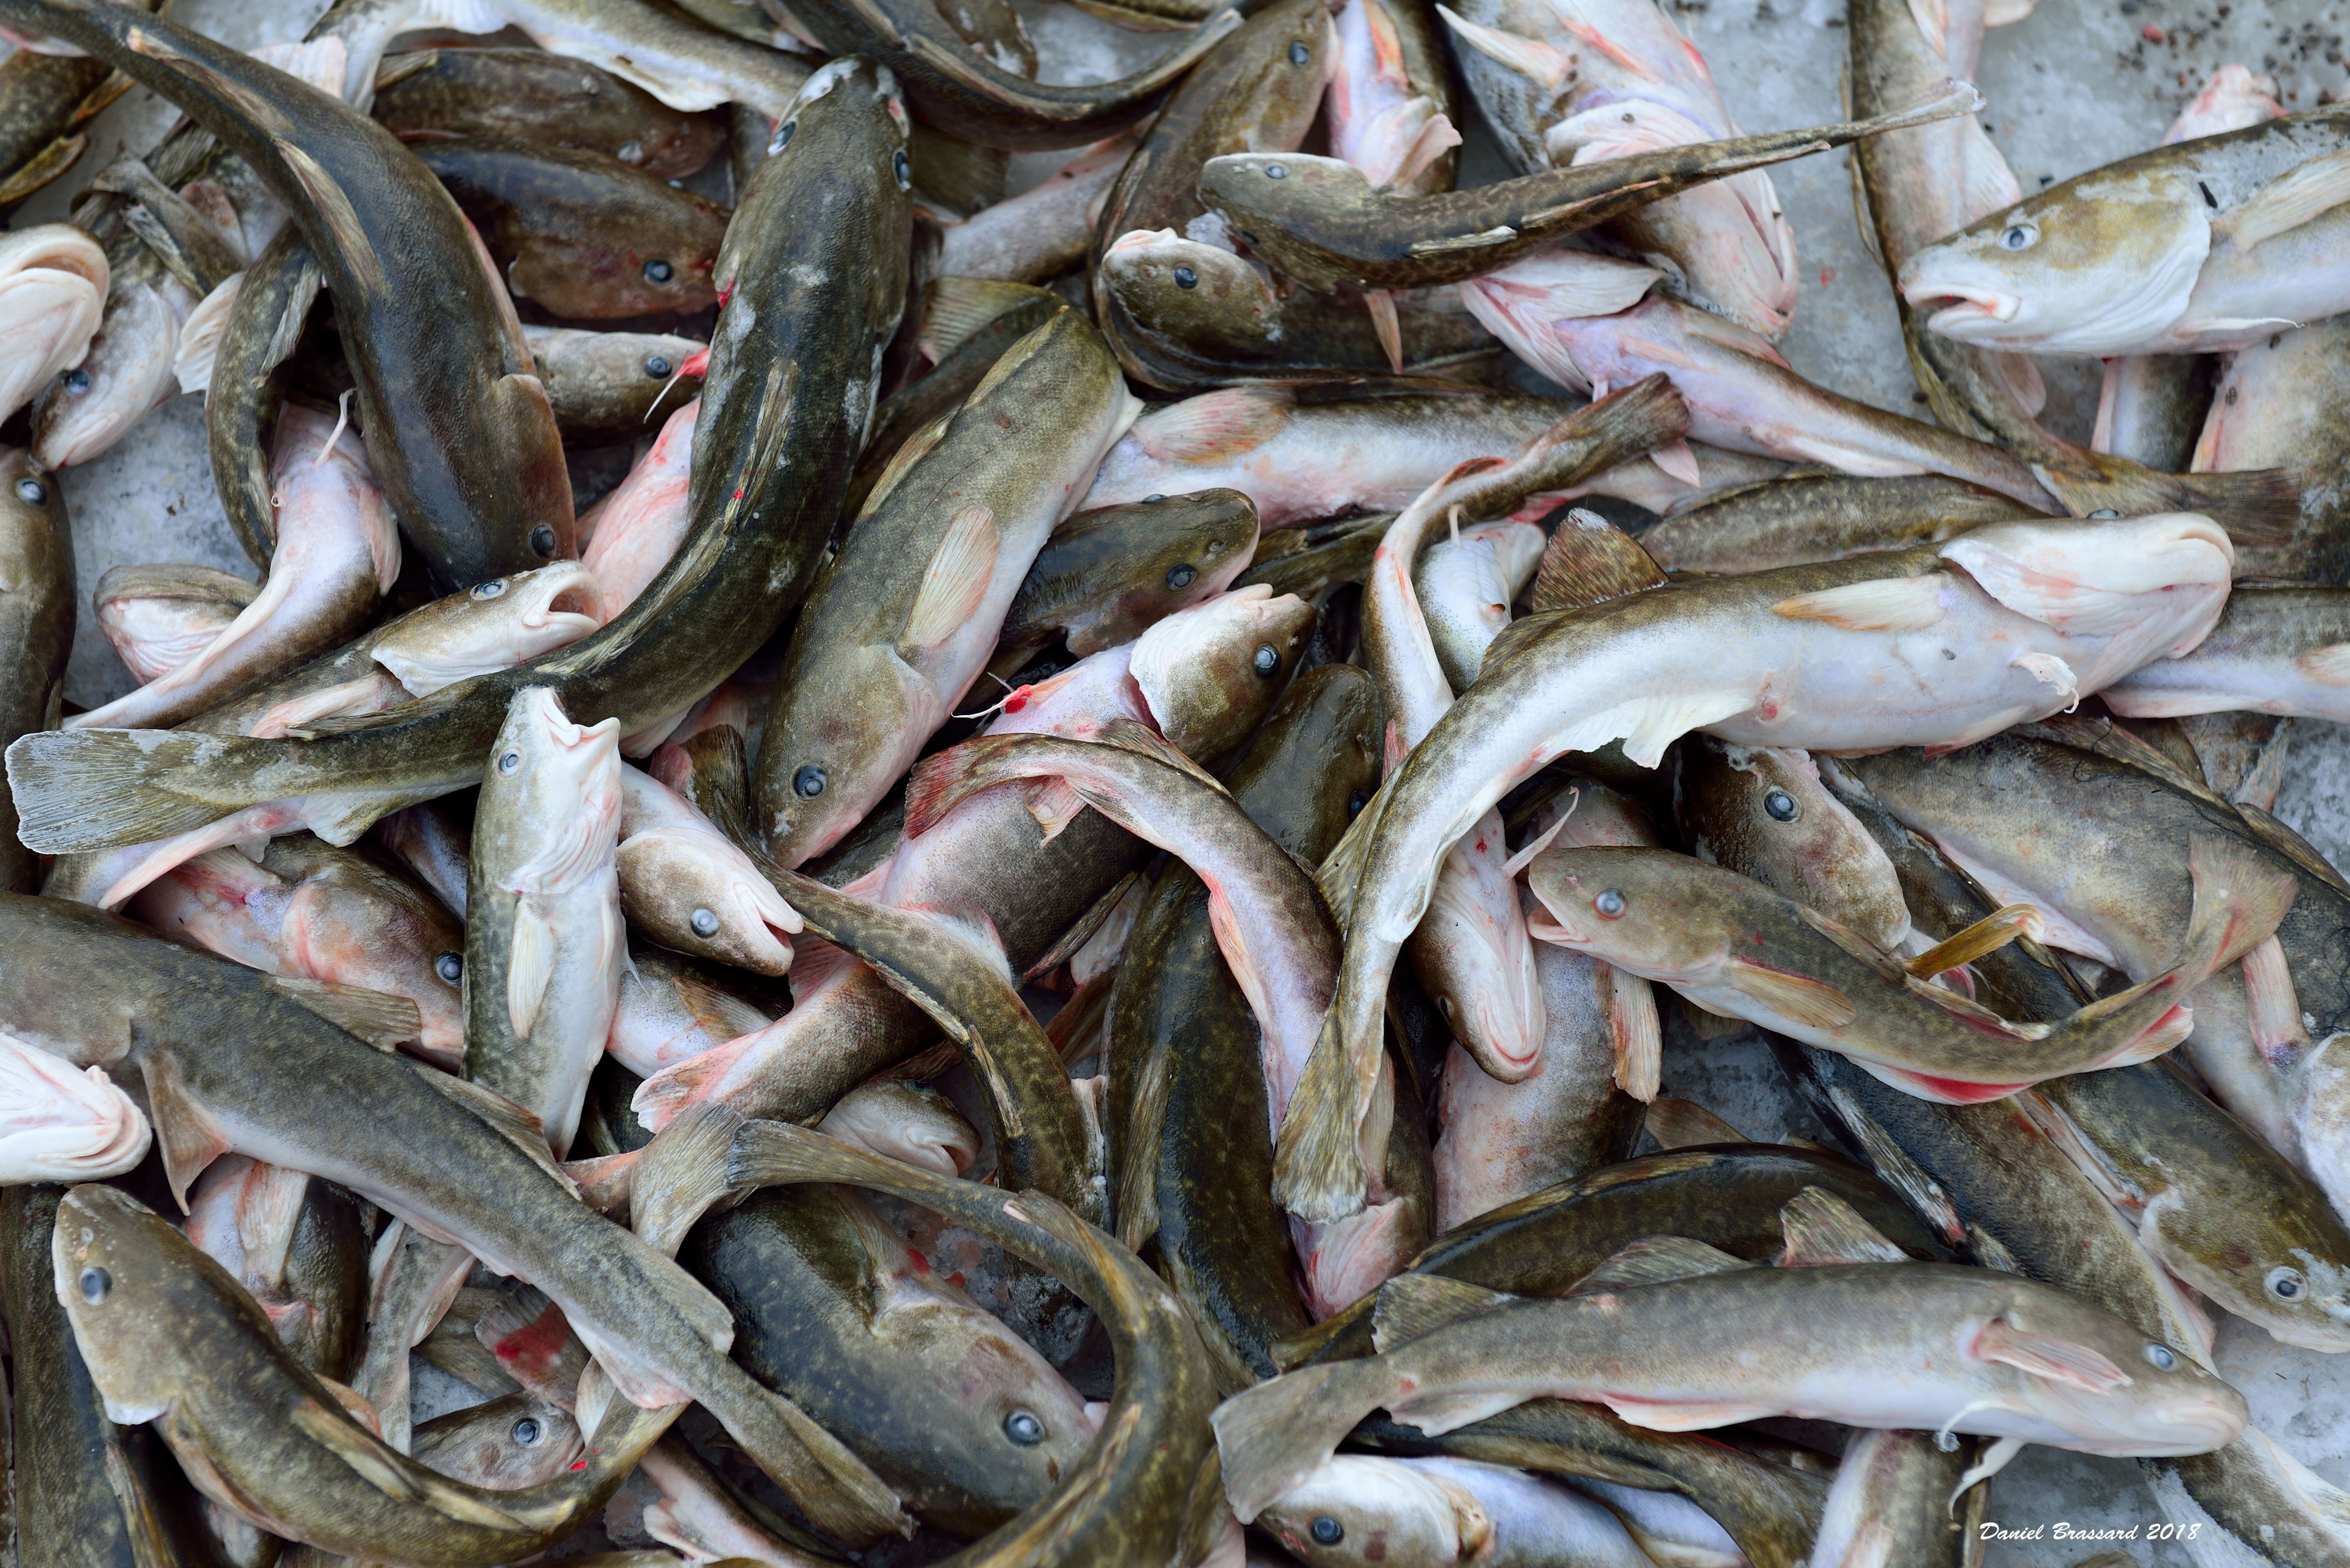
x,y
1957,306
567,599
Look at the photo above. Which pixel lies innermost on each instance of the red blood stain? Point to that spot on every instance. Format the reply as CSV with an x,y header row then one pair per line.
x,y
538,1344
1014,703
2152,34
738,495
725,293
579,1464
1827,275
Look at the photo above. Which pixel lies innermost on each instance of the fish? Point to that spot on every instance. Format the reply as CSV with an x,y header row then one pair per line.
x,y
1466,584
1204,677
611,383
671,1009
337,556
2278,406
295,1244
684,884
1742,394
902,623
51,100
157,617
459,433
309,911
1977,1351
1360,1510
1136,1496
37,625
584,234
1595,81
243,381
1319,221
1897,1499
1821,517
2276,649
1390,97
534,96
1046,230
1508,726
1106,575
644,519
508,1444
53,287
544,939
2209,243
128,372
786,397
163,1327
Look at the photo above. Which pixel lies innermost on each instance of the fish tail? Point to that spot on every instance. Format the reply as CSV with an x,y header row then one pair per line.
x,y
2258,506
2240,899
1318,1172
1271,1436
82,790
681,1175
837,1490
773,1154
944,780
668,1093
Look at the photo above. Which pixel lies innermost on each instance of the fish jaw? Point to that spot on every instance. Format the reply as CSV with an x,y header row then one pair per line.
x,y
490,627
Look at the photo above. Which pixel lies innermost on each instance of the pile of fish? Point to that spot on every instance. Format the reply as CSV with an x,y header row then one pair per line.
x,y
1052,932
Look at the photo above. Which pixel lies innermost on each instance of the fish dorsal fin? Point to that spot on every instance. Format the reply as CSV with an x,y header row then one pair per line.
x,y
190,1137
1879,604
1820,1229
1129,735
379,1017
1683,1124
518,1126
2064,1361
1411,1305
1796,997
389,1472
955,582
2292,845
2294,197
1588,561
1884,964
1517,635
915,448
1656,1261
955,309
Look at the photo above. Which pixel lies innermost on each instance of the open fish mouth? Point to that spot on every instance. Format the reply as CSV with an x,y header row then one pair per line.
x,y
1958,307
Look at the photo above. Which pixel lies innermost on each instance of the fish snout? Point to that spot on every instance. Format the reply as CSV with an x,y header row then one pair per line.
x,y
1958,307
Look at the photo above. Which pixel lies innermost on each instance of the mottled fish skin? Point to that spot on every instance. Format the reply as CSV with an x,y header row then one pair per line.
x,y
786,399
245,389
1821,517
535,96
2280,649
902,622
1106,575
458,431
36,624
49,100
2284,403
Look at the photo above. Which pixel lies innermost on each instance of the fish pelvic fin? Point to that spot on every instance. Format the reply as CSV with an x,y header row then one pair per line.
x,y
1271,1436
83,790
682,1174
1319,1173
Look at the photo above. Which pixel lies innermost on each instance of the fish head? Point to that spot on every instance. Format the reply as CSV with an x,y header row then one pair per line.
x,y
2066,1365
2280,1268
156,616
832,749
98,394
561,778
350,931
2150,587
128,1279
1264,198
2100,264
492,625
655,254
1131,566
54,284
687,886
1358,1509
1210,673
504,1445
1762,812
1183,291
1640,909
63,1123
910,1122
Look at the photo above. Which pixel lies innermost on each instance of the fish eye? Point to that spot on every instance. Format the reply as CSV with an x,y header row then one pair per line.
x,y
1356,801
902,169
2161,1357
1024,1429
450,967
76,381
1781,805
1610,905
1266,661
1277,170
658,272
2018,237
542,540
32,491
2105,512
1181,575
1153,499
1326,1531
2286,1283
631,152
783,137
94,1283
1186,278
705,923
1299,54
808,783
528,1431
491,589
510,761
656,367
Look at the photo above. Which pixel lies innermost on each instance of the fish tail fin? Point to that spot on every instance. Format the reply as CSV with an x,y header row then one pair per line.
x,y
944,780
2257,507
2240,899
773,1154
668,1093
82,790
837,1490
1272,1435
681,1175
1318,1171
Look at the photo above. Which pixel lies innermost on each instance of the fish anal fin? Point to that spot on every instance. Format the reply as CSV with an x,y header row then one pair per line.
x,y
1821,1229
190,1137
954,583
1656,1261
1882,604
1796,997
1411,1305
1684,1416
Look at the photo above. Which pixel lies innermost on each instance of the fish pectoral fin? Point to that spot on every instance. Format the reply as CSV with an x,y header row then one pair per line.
x,y
1656,1261
1055,804
1637,1032
383,1019
1819,1229
1885,964
2327,666
1684,1124
1884,604
954,583
530,966
2058,1360
1214,424
1686,1415
1411,1305
1933,20
1530,57
1647,725
518,1126
190,1137
815,962
1589,560
2293,198
1797,997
